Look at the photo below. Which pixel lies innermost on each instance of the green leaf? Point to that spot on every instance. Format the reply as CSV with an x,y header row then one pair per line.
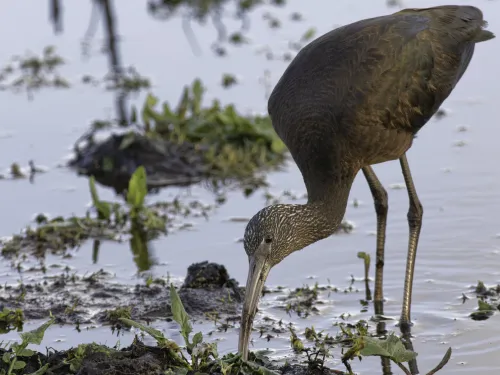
x,y
485,306
197,338
366,258
309,34
137,188
103,208
36,336
6,357
223,118
179,314
41,370
391,348
277,146
197,97
183,104
25,353
19,365
154,333
148,107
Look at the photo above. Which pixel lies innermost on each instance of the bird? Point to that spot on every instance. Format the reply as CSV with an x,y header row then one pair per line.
x,y
354,97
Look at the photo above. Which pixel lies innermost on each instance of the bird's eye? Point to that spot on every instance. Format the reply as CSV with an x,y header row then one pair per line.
x,y
268,239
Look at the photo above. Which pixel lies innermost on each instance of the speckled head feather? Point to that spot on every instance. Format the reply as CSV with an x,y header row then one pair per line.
x,y
288,228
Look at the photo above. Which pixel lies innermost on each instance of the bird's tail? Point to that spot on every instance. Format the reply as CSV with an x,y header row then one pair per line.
x,y
466,21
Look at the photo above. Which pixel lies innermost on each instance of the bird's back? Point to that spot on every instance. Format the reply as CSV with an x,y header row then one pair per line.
x,y
361,92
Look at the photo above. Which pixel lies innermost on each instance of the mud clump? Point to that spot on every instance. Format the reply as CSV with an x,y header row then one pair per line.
x,y
207,286
167,163
207,275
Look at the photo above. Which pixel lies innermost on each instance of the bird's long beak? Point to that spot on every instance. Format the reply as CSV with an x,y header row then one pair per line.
x,y
257,275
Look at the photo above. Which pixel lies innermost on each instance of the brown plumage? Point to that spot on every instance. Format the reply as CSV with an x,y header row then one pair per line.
x,y
354,97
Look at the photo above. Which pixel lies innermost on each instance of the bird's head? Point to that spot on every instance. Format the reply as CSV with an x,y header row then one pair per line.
x,y
271,235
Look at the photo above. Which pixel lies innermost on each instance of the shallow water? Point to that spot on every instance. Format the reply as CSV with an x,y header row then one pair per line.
x,y
458,186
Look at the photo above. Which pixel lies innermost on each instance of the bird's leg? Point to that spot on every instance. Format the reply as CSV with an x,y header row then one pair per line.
x,y
381,207
415,214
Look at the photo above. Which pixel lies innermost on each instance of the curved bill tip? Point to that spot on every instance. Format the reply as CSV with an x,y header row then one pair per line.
x,y
257,275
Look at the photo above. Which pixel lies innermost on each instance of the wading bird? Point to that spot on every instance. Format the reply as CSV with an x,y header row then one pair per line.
x,y
354,97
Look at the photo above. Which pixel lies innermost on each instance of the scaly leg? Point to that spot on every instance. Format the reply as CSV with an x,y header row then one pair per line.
x,y
415,214
381,207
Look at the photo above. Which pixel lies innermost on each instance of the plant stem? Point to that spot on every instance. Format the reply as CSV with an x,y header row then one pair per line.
x,y
441,364
402,367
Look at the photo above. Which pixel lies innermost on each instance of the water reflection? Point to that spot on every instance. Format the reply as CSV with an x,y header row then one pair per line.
x,y
141,249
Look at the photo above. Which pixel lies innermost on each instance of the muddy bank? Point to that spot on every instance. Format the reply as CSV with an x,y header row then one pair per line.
x,y
207,290
94,359
73,299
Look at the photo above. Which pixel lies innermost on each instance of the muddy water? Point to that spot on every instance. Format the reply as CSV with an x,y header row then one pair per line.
x,y
458,186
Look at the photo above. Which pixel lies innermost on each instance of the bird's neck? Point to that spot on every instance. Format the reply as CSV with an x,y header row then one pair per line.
x,y
323,213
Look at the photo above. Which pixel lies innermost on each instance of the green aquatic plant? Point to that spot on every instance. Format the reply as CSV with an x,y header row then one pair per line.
x,y
18,350
366,261
127,80
233,144
204,357
31,73
11,319
137,191
355,342
141,217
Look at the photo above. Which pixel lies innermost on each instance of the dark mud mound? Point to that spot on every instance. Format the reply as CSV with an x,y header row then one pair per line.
x,y
206,285
98,297
113,161
93,359
207,275
137,359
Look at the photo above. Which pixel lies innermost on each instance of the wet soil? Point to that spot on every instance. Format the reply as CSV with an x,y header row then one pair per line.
x,y
133,360
77,300
207,289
